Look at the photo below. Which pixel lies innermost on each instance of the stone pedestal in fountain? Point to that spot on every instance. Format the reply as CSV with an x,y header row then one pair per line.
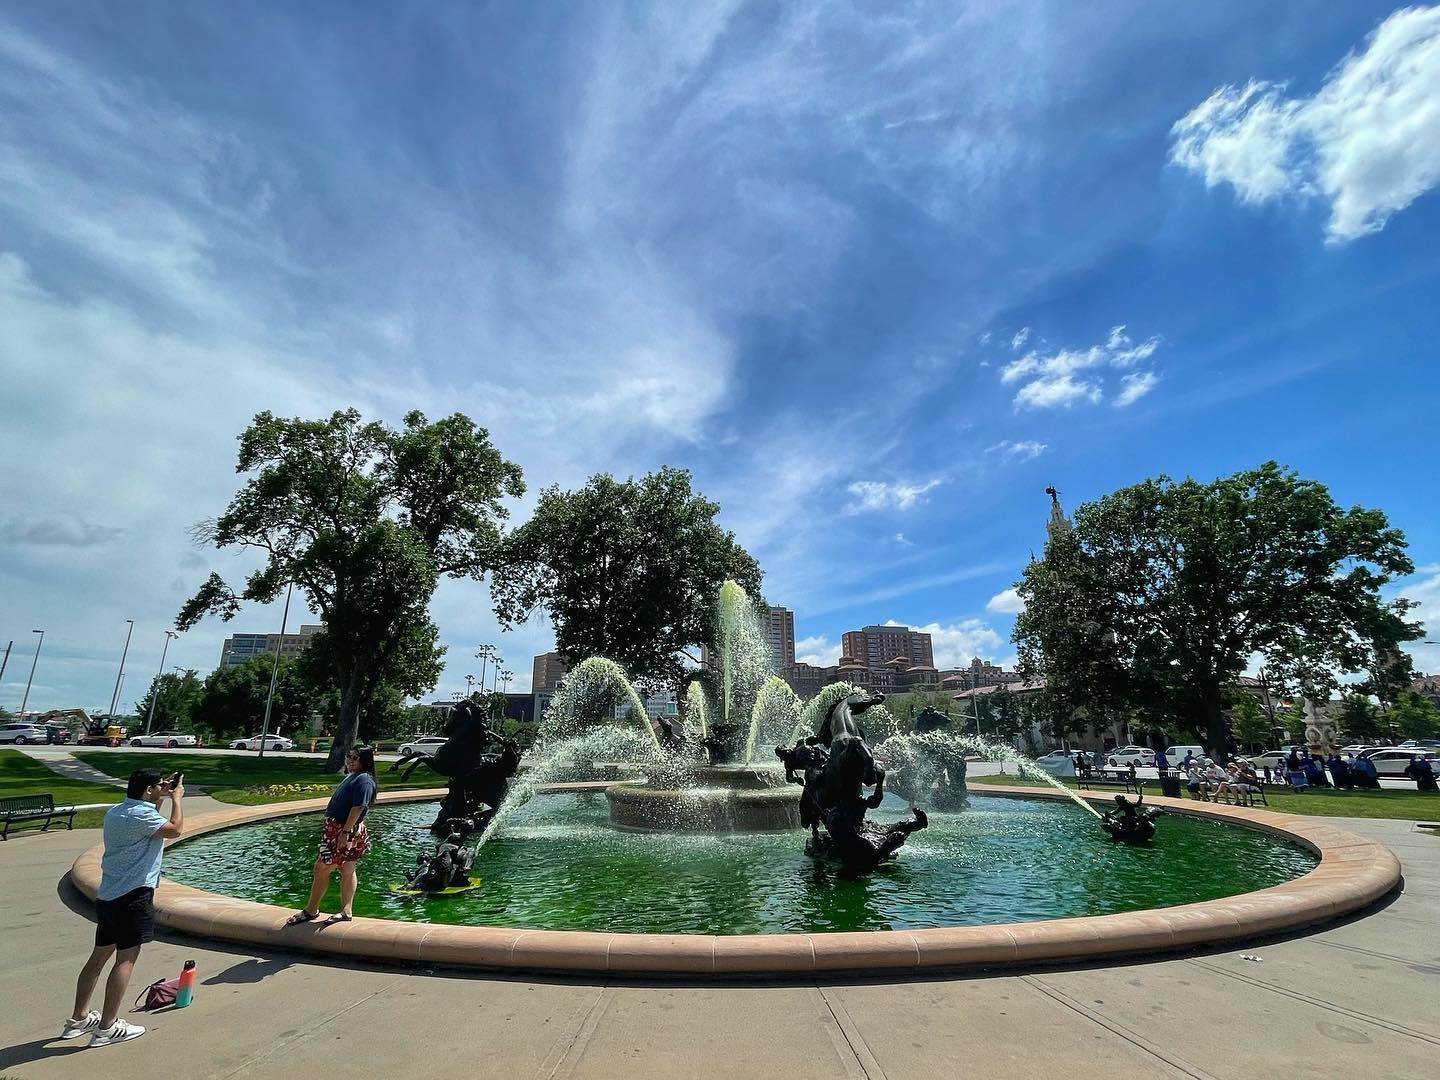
x,y
725,798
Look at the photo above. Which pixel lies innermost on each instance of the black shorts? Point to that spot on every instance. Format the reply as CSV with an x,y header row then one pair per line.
x,y
126,922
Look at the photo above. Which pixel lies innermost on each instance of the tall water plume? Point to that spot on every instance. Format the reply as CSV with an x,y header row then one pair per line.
x,y
695,714
744,651
588,698
774,716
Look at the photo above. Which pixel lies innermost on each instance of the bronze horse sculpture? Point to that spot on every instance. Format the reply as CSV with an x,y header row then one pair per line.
x,y
837,766
479,778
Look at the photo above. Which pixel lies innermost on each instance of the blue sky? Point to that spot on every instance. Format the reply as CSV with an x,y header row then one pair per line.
x,y
877,274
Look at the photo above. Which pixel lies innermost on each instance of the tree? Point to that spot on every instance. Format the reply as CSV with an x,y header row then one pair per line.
x,y
1249,725
1414,716
176,695
628,570
232,699
1160,593
364,520
1295,722
1359,719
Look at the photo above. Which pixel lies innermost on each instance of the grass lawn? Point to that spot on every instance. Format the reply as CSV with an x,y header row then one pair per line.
x,y
1406,805
246,779
21,775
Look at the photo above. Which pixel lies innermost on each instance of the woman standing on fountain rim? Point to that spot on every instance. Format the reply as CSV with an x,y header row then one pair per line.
x,y
345,840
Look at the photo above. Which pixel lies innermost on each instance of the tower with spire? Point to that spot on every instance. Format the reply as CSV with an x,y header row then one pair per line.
x,y
1059,524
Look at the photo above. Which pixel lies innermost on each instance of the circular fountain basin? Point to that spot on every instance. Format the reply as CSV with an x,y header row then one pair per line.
x,y
905,917
724,799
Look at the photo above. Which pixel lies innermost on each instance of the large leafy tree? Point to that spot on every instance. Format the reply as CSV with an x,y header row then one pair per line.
x,y
365,520
1359,719
1414,716
625,569
232,699
175,695
1160,593
1248,723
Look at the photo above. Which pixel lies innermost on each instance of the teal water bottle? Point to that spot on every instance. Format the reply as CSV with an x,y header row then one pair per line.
x,y
186,993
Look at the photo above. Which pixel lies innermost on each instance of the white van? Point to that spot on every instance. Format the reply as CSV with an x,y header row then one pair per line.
x,y
1176,754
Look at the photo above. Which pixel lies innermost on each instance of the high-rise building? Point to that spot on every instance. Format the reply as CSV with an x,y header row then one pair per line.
x,y
779,626
548,670
875,646
239,648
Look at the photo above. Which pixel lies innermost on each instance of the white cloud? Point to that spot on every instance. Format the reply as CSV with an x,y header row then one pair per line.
x,y
1135,386
1367,142
1425,591
818,650
1025,450
878,495
956,644
1006,603
900,539
1021,336
1052,377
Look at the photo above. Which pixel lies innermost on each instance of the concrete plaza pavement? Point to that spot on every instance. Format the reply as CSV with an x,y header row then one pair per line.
x,y
1362,996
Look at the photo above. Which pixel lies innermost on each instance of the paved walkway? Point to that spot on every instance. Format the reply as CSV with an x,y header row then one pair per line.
x,y
1358,998
69,766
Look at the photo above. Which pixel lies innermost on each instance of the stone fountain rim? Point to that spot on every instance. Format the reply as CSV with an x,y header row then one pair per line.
x,y
1352,874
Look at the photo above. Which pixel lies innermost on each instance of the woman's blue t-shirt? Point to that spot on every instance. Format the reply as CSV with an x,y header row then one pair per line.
x,y
357,789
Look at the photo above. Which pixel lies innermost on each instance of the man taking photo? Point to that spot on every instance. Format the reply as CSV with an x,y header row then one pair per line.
x,y
135,833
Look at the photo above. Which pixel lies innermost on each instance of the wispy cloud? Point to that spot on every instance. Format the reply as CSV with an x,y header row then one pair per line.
x,y
1367,142
818,650
56,532
1066,377
1135,386
872,495
1021,336
1025,450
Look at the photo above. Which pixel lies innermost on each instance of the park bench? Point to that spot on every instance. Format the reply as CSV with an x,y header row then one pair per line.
x,y
1119,778
28,809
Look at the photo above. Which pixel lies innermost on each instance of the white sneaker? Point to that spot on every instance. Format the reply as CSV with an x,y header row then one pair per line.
x,y
73,1029
120,1031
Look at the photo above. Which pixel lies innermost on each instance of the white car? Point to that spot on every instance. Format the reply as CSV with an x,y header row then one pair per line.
x,y
1273,758
425,744
272,742
171,739
1058,763
1394,761
1126,755
22,733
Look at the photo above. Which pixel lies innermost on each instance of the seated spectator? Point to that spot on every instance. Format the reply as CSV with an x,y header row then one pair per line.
x,y
1217,781
1364,774
1245,783
1314,771
1339,771
1195,783
1423,773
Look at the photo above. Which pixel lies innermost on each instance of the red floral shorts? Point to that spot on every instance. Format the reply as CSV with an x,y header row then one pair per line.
x,y
337,848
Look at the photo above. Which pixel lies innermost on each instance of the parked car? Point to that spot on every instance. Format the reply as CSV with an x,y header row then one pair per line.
x,y
1396,760
1176,754
22,733
1058,763
423,744
272,742
1126,755
1273,758
57,733
171,739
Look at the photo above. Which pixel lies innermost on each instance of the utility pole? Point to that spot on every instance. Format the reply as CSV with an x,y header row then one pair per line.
x,y
154,697
115,697
26,699
6,662
275,670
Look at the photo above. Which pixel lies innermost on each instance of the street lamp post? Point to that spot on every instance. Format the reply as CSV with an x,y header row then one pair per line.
x,y
483,654
506,676
495,680
275,670
6,662
469,685
156,695
120,675
26,699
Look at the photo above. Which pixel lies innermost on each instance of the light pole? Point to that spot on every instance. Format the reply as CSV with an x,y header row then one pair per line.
x,y
115,697
156,695
506,676
275,670
6,662
469,685
483,654
26,699
495,681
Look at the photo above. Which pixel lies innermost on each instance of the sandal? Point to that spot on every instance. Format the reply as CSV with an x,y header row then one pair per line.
x,y
302,917
339,916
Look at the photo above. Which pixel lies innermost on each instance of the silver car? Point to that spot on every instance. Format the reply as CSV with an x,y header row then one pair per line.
x,y
425,744
22,733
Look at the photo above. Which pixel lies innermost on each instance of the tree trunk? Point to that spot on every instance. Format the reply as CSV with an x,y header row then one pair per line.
x,y
1216,734
348,724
